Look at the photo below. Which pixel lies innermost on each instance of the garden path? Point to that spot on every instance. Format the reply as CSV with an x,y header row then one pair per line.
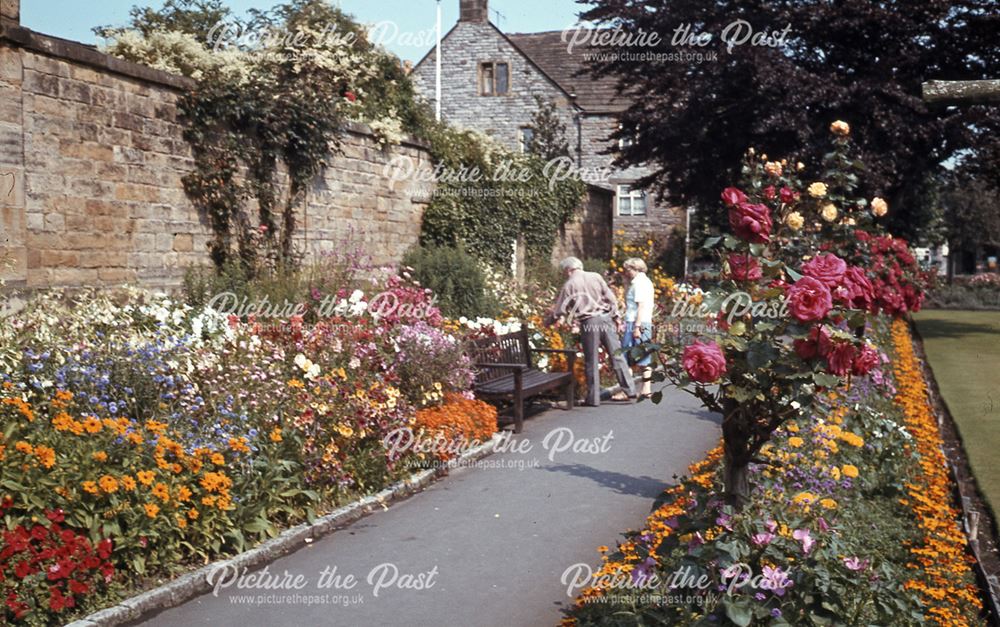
x,y
497,540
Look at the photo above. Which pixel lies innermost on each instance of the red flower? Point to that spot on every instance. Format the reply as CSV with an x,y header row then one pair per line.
x,y
56,515
744,268
751,223
818,343
827,268
104,548
732,196
855,290
770,192
809,300
704,361
787,196
39,532
78,587
865,360
840,361
23,569
351,96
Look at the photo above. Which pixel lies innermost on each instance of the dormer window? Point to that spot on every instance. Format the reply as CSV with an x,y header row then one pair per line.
x,y
494,79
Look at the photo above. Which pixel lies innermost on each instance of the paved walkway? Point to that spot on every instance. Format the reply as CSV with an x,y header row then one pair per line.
x,y
493,542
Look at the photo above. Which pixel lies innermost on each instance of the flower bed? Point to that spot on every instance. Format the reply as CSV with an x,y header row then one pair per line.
x,y
820,542
142,437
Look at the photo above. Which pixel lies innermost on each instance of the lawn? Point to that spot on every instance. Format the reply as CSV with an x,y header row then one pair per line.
x,y
963,348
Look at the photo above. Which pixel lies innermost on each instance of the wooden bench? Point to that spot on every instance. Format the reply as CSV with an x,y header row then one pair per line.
x,y
505,370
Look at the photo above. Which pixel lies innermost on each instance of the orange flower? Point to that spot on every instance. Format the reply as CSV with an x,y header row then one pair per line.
x,y
92,425
276,435
108,483
46,456
146,477
161,492
100,457
128,483
90,487
151,510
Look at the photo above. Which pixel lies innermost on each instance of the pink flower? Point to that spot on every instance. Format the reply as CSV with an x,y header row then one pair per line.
x,y
770,192
855,290
744,268
804,538
762,539
704,362
826,268
732,196
840,361
751,223
809,300
775,580
865,360
855,564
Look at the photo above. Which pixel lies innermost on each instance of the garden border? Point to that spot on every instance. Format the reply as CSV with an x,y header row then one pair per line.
x,y
191,585
958,466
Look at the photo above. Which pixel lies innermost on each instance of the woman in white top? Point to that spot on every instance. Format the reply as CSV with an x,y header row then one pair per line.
x,y
639,299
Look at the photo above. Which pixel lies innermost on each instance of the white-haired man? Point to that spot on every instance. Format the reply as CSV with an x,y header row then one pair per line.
x,y
586,298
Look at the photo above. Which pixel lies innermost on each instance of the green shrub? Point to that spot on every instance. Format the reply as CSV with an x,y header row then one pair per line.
x,y
455,277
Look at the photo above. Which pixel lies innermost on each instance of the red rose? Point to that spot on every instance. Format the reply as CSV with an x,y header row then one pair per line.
x,y
704,362
744,268
865,360
732,196
788,196
818,343
840,361
351,96
809,300
770,192
826,268
751,223
855,289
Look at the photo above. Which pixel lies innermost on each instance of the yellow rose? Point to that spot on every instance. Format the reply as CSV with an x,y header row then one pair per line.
x,y
817,190
879,207
773,168
794,220
800,166
840,128
829,212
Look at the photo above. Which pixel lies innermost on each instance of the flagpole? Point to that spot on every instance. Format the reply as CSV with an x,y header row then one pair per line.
x,y
437,63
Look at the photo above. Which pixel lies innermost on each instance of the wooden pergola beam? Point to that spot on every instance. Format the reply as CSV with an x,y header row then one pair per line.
x,y
961,92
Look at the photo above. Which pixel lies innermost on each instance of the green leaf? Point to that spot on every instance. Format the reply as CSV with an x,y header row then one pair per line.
x,y
826,380
792,274
738,612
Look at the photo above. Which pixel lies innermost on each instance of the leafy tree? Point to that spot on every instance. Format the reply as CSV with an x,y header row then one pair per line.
x,y
855,60
548,139
194,17
969,204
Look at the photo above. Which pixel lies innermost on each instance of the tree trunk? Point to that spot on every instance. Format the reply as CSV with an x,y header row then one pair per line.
x,y
961,93
736,437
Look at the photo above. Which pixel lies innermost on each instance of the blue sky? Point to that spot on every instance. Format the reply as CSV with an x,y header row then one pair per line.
x,y
73,19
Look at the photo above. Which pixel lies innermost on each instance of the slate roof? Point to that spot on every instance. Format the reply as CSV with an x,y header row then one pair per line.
x,y
548,51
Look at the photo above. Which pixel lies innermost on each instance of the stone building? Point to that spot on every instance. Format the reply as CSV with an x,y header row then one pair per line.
x,y
490,80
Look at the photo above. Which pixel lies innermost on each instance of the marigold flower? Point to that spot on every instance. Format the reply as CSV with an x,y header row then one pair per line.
x,y
108,483
218,459
146,477
795,442
90,487
151,509
92,425
192,514
24,447
128,483
100,457
161,492
276,435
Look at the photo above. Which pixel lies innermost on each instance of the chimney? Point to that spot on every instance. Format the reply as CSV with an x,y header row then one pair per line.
x,y
10,10
473,10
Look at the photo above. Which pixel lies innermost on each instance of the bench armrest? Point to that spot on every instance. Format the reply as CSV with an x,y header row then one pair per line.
x,y
553,350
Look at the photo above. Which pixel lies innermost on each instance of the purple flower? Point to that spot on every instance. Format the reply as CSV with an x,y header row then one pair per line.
x,y
804,537
855,564
725,520
776,613
762,539
823,525
775,580
772,525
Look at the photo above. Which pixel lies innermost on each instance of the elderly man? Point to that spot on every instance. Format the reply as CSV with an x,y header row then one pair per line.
x,y
587,299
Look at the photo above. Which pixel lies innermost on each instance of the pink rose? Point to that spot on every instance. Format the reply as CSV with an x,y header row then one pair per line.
x,y
855,289
770,192
809,300
865,360
818,343
732,196
751,223
787,196
744,268
840,361
704,362
826,268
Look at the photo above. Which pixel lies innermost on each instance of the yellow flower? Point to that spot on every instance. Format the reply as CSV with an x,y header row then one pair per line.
x,y
46,456
773,168
840,128
181,522
108,483
850,471
879,207
193,514
151,509
835,473
161,492
804,498
183,494
295,383
24,447
829,212
817,190
794,220
828,503
218,459
134,438
208,501
239,445
100,457
90,487
92,425
795,442
276,435
128,483
145,477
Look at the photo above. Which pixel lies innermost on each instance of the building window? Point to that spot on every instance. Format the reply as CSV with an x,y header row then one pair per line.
x,y
525,138
494,79
631,202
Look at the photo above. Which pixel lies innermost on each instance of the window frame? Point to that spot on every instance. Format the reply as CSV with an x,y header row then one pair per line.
x,y
493,81
633,195
525,143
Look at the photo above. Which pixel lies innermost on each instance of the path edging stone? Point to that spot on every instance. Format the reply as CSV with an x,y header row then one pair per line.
x,y
193,584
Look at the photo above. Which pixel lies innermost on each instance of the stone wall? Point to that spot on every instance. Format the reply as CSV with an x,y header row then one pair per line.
x,y
91,162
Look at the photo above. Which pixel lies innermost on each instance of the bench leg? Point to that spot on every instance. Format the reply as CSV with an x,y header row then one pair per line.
x,y
570,394
518,402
